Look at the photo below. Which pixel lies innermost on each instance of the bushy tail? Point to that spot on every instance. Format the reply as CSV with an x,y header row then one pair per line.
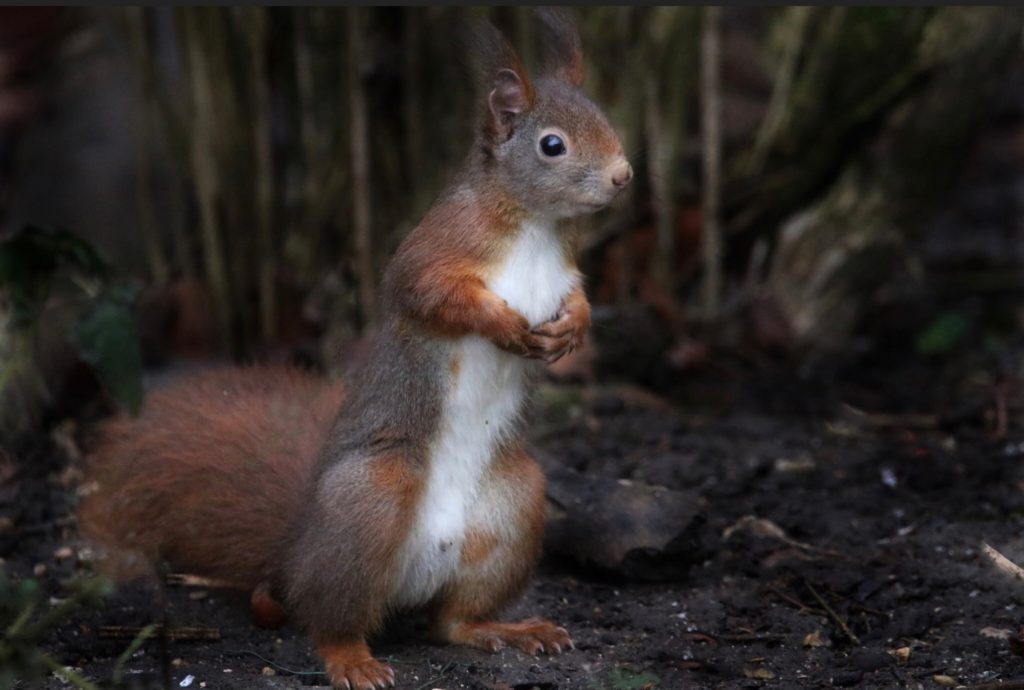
x,y
209,475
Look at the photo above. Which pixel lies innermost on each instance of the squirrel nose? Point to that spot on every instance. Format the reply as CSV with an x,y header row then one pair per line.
x,y
622,174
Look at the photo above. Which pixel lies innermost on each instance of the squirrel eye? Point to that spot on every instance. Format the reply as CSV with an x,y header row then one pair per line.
x,y
552,145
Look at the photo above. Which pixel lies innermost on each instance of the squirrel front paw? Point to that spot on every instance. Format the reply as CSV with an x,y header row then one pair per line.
x,y
551,340
564,333
559,337
548,342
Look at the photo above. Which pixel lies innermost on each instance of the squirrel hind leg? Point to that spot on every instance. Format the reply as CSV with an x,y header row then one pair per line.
x,y
267,612
494,569
351,666
530,636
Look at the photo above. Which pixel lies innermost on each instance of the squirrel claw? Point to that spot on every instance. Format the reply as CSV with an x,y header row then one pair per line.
x,y
531,636
351,667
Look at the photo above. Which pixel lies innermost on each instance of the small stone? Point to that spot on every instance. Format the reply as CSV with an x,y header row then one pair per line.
x,y
900,654
846,679
814,639
177,663
39,570
869,660
996,633
267,671
63,553
944,680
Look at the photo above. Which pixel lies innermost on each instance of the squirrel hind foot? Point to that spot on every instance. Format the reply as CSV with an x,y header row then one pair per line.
x,y
530,636
350,666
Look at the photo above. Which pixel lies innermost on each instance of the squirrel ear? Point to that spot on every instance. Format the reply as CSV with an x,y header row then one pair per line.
x,y
562,49
506,85
510,96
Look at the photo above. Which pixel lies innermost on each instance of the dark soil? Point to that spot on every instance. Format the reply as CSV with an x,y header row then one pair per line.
x,y
877,580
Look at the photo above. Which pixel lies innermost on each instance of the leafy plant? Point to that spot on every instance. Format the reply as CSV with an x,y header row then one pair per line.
x,y
37,263
943,334
27,619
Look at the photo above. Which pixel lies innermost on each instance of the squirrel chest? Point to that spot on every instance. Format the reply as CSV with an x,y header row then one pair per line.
x,y
483,400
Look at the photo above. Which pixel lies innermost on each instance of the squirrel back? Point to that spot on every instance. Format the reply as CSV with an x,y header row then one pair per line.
x,y
210,473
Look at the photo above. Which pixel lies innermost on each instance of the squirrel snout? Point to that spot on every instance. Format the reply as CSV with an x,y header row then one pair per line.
x,y
622,173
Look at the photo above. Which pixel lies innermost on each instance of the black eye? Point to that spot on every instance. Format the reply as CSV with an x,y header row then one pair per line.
x,y
552,145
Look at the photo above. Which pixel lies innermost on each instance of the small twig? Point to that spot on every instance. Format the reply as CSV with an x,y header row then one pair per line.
x,y
274,664
762,527
803,608
753,637
1003,563
193,633
874,612
832,614
882,419
186,580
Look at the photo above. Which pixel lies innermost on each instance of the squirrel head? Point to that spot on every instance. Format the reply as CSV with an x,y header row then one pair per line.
x,y
549,146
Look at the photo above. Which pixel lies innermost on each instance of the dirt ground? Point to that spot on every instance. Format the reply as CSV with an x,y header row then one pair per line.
x,y
883,490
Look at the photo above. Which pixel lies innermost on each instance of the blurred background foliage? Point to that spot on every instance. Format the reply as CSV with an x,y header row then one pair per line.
x,y
251,170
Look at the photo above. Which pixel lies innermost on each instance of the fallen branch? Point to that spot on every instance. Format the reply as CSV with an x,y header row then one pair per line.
x,y
1003,563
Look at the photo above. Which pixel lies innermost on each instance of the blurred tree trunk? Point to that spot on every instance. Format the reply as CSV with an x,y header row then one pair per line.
x,y
150,228
205,141
257,35
711,156
672,31
361,199
832,256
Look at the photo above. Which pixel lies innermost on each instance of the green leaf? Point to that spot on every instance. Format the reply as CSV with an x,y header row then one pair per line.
x,y
29,259
107,338
943,334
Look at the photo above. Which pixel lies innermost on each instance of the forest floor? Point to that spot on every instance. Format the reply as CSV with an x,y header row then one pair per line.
x,y
838,542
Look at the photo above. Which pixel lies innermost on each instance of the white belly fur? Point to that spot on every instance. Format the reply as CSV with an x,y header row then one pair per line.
x,y
484,399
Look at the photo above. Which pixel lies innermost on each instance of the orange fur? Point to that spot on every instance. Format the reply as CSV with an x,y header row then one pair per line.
x,y
531,636
351,666
209,475
477,547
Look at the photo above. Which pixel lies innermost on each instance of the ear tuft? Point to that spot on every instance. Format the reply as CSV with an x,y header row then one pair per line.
x,y
508,89
562,49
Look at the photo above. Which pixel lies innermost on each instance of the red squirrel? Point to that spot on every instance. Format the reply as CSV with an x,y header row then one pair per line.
x,y
411,489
